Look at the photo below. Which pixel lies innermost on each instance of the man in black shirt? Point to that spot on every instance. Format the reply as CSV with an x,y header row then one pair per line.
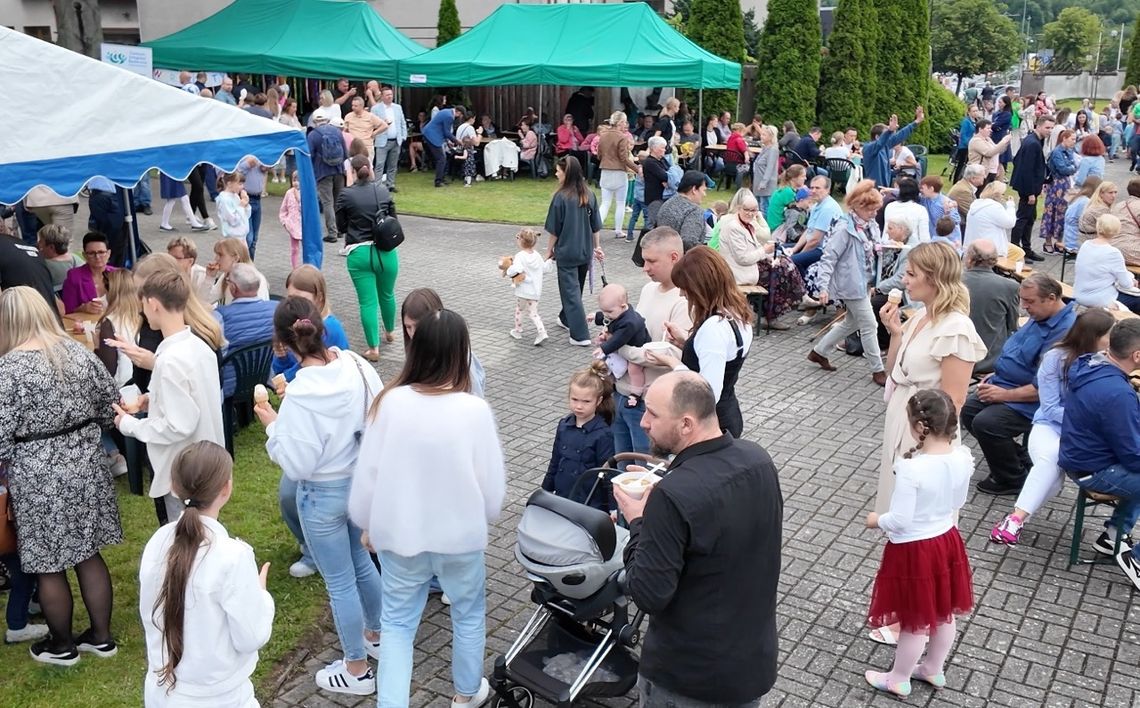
x,y
703,558
21,264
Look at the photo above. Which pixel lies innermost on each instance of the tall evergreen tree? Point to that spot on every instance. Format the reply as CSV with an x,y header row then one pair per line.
x,y
718,27
1132,76
904,59
788,59
845,82
447,27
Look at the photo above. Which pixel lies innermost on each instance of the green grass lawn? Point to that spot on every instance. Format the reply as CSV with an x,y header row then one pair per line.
x,y
251,515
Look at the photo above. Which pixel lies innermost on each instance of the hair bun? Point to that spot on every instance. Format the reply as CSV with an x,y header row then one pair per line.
x,y
304,326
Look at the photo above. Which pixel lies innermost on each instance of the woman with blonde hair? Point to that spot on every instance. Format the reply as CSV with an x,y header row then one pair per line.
x,y
228,252
121,318
846,272
936,348
617,164
55,400
1100,278
1101,201
992,216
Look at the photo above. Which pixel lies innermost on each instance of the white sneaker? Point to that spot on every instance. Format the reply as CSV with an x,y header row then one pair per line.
x,y
372,648
336,678
1128,564
29,633
445,599
343,251
542,337
516,334
580,342
478,699
210,225
301,569
118,465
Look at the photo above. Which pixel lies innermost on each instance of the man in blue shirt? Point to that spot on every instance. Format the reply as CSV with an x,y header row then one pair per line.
x,y
438,132
1100,437
809,248
965,133
246,320
1001,410
877,152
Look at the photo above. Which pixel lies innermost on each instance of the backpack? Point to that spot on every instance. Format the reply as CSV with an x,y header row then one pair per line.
x,y
332,148
387,233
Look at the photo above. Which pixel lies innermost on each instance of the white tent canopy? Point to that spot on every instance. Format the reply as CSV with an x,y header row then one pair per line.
x,y
120,125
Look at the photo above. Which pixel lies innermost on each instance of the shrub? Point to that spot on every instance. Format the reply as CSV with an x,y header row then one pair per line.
x,y
844,81
788,59
943,113
448,27
718,27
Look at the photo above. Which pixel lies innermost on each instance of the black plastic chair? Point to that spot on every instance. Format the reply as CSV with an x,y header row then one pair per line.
x,y
251,364
791,157
733,159
838,170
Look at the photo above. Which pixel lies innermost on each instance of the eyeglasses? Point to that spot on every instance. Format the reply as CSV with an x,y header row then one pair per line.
x,y
750,211
93,254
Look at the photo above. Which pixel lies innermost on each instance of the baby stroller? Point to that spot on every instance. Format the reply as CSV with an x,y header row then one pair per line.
x,y
578,643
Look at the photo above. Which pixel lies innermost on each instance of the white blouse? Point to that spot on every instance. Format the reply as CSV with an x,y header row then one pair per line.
x,y
929,491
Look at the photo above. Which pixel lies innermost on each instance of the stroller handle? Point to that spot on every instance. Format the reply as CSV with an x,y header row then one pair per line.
x,y
649,460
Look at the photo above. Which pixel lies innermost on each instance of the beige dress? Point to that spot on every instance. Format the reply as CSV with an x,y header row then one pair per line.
x,y
918,366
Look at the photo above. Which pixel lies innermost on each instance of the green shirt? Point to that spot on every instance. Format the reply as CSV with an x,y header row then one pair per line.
x,y
781,199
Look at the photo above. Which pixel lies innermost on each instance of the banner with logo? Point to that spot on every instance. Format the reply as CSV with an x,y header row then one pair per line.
x,y
124,56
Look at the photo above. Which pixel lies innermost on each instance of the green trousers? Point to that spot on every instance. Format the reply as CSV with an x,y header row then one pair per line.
x,y
373,274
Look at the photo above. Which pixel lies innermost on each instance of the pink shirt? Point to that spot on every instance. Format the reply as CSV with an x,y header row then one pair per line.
x,y
290,213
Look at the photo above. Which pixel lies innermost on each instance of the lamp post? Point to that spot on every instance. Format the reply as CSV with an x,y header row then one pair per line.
x,y
1119,47
1096,64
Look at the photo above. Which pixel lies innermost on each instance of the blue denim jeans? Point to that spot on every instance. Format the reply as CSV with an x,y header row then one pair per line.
x,y
803,259
352,581
762,202
638,210
254,223
20,592
628,435
142,192
287,500
1119,482
405,581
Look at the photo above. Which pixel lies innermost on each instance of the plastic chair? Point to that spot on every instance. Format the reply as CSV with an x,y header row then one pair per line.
x,y
251,364
791,157
732,160
1086,499
838,169
920,153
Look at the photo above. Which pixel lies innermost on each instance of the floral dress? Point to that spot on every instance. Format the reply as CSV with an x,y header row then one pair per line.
x,y
63,497
1063,166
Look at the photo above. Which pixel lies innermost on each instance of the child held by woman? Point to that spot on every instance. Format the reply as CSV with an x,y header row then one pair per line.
x,y
624,326
531,265
584,440
924,579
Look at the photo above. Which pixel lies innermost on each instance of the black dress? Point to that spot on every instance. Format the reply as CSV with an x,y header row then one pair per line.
x,y
727,408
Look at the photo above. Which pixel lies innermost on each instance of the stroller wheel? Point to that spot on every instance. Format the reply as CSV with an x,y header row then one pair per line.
x,y
520,697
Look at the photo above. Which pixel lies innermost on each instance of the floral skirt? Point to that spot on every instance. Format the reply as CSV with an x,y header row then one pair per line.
x,y
1053,218
922,584
784,285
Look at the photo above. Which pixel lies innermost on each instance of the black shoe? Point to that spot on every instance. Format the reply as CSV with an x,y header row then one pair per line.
x,y
393,190
44,653
330,239
147,210
439,184
1104,545
997,489
86,642
1130,567
1034,256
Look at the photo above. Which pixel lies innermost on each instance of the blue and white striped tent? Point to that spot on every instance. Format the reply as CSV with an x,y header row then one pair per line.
x,y
68,118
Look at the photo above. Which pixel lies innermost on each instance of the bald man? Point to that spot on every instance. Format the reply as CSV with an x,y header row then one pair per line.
x,y
703,558
994,301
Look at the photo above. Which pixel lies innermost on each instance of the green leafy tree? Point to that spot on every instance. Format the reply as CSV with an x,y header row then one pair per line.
x,y
751,34
844,80
1072,37
943,113
1132,75
789,59
904,57
971,37
448,27
718,27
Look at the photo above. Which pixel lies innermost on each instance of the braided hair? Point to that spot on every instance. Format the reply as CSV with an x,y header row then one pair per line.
x,y
932,412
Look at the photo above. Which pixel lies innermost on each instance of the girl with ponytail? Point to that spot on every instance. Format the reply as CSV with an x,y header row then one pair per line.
x,y
924,579
204,607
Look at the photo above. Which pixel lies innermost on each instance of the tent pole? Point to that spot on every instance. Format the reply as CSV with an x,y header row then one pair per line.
x,y
132,232
700,119
540,111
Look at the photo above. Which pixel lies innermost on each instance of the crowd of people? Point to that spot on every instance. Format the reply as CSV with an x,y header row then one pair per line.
x,y
385,515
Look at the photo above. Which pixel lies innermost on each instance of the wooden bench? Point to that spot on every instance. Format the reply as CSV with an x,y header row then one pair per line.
x,y
1008,268
755,295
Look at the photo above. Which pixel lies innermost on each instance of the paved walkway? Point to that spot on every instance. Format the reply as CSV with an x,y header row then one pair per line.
x,y
1042,634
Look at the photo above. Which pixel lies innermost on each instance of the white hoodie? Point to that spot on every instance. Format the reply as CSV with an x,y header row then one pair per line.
x,y
317,432
991,220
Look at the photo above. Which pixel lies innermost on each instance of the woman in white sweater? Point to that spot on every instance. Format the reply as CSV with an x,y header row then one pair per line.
x,y
1101,278
426,498
193,575
315,439
992,217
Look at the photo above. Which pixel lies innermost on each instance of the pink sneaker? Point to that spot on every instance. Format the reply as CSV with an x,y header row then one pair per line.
x,y
1007,532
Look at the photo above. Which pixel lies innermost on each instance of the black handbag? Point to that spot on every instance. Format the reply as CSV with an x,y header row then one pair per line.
x,y
387,233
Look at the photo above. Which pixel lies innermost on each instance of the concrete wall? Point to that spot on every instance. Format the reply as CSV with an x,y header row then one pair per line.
x,y
35,17
1073,85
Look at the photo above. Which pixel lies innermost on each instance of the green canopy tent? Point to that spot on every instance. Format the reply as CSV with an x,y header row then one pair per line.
x,y
318,39
571,45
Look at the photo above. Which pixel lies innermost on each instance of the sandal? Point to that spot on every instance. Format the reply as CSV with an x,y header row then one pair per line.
x,y
879,681
372,355
1048,247
883,635
937,681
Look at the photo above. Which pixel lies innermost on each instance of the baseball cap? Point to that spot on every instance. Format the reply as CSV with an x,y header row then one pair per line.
x,y
337,121
802,193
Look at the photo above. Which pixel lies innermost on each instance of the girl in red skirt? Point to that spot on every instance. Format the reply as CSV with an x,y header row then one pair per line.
x,y
925,577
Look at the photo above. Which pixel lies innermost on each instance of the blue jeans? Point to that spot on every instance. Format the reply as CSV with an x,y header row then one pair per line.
x,y
20,592
142,192
405,581
762,202
352,581
287,500
254,223
1119,482
628,435
1130,301
638,210
803,259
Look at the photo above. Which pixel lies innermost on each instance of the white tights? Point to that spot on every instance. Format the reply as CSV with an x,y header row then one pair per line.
x,y
168,208
910,647
1045,478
